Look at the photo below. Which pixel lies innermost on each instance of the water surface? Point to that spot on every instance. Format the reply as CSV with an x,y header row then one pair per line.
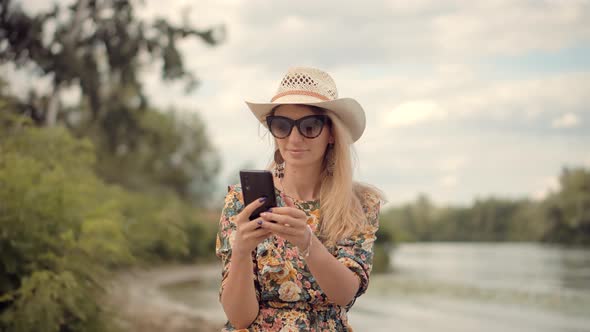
x,y
460,287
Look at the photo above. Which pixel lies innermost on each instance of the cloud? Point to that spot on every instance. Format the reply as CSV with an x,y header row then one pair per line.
x,y
567,120
413,112
452,92
448,181
548,185
337,34
505,27
449,164
334,33
438,104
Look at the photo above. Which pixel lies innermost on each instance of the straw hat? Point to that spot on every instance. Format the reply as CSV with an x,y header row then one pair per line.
x,y
310,86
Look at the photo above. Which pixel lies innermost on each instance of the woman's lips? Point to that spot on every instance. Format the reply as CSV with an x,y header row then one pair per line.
x,y
296,152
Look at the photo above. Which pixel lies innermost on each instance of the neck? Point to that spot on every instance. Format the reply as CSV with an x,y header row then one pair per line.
x,y
302,183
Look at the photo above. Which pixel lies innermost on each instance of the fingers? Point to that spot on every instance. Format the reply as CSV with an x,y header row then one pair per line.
x,y
288,201
260,233
282,219
250,226
281,229
253,229
293,212
250,208
249,235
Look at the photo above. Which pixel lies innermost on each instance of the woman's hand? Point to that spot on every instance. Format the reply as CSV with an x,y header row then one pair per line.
x,y
249,233
291,224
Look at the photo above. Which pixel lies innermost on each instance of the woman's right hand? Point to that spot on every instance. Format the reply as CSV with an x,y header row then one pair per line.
x,y
249,234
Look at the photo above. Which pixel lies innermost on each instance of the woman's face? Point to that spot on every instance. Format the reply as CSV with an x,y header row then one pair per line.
x,y
296,149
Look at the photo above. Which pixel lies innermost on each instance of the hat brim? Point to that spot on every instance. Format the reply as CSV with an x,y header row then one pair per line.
x,y
348,110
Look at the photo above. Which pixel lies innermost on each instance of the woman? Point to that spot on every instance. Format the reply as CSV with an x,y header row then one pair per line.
x,y
301,265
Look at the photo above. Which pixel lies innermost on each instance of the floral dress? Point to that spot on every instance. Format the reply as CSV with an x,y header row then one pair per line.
x,y
290,298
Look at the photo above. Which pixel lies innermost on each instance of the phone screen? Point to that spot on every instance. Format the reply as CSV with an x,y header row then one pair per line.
x,y
257,184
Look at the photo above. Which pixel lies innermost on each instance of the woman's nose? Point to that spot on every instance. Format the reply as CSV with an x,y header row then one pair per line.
x,y
295,135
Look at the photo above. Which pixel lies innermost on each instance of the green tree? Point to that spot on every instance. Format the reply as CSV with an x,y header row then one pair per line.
x,y
100,48
60,229
171,153
63,229
567,211
528,223
97,46
491,218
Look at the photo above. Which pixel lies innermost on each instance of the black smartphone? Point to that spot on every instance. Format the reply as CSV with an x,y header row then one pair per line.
x,y
256,184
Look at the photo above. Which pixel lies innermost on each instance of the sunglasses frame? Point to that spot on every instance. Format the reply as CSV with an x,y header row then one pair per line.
x,y
324,118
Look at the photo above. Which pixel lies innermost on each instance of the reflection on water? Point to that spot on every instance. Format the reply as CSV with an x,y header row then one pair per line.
x,y
479,287
526,267
460,287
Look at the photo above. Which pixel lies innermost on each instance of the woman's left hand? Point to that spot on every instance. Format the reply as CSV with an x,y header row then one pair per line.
x,y
291,223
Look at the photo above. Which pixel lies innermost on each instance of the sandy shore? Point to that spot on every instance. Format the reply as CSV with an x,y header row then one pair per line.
x,y
136,297
166,298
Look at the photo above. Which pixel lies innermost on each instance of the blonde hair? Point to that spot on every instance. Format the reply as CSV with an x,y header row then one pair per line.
x,y
341,198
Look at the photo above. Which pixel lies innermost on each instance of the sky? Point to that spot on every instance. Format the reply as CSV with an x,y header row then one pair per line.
x,y
464,99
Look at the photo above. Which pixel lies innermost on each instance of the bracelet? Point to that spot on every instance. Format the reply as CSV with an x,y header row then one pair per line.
x,y
307,250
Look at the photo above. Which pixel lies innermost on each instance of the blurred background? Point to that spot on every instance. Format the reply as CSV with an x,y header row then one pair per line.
x,y
123,122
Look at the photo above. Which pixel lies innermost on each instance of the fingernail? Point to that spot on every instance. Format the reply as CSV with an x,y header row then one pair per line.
x,y
262,199
259,222
269,210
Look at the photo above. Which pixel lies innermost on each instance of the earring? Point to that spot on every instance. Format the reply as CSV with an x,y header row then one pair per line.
x,y
330,160
279,170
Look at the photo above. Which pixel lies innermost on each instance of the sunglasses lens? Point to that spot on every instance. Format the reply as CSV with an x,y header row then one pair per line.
x,y
280,128
311,127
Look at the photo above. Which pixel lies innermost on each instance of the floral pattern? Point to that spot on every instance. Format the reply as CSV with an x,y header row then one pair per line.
x,y
289,296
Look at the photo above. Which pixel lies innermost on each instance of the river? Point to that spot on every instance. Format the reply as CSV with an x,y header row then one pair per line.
x,y
459,287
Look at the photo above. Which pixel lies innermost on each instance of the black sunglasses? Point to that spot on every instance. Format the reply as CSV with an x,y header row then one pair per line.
x,y
309,126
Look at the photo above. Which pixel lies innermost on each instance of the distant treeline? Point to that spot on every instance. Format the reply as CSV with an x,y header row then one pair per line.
x,y
562,217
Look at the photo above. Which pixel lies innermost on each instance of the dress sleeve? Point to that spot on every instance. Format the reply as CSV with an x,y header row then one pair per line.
x,y
356,252
234,204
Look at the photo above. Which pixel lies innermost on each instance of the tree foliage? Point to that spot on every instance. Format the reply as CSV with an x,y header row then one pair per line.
x,y
100,49
104,182
567,212
169,152
62,229
96,45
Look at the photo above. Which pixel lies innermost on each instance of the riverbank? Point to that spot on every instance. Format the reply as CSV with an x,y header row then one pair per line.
x,y
513,287
139,303
487,287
